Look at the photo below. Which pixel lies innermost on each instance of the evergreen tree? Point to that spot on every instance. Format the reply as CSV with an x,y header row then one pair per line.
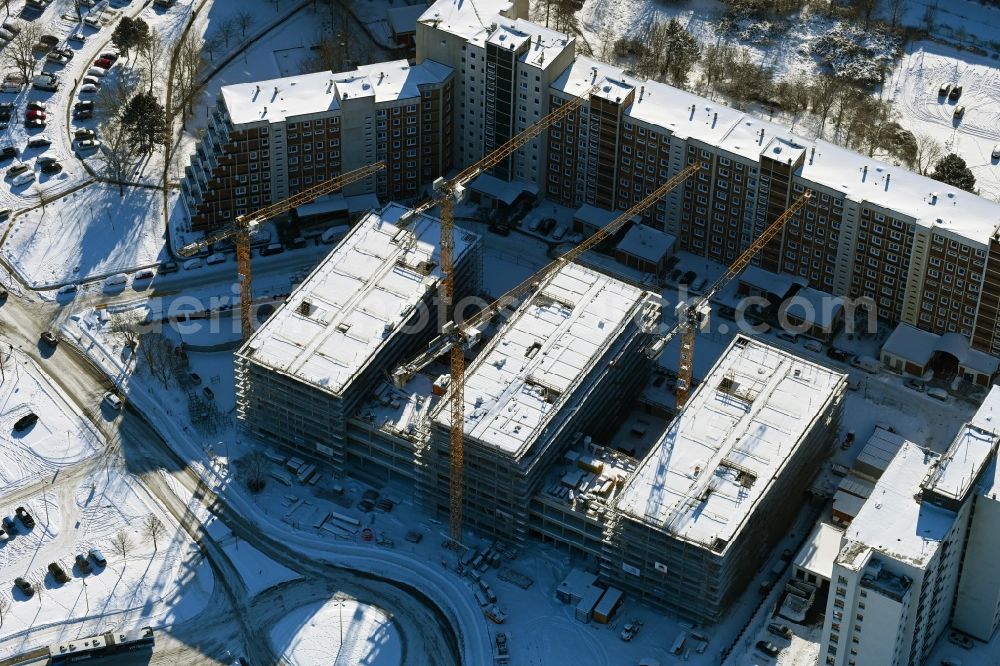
x,y
129,35
144,121
951,169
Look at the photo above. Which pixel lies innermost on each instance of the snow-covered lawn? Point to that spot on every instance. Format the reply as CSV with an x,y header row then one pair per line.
x,y
61,437
337,632
90,233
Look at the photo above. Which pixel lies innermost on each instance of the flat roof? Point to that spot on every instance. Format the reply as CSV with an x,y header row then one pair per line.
x,y
599,217
351,306
820,550
893,520
734,435
501,190
462,18
880,449
534,364
646,243
954,212
404,19
544,44
276,100
773,283
972,449
819,308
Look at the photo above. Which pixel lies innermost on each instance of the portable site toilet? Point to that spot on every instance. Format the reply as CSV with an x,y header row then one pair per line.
x,y
607,606
585,609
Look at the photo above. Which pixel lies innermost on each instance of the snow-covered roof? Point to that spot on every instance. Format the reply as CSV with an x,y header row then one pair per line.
x,y
594,216
894,521
856,176
646,243
880,449
544,44
353,303
970,451
735,434
820,550
463,18
277,100
400,410
773,283
501,190
819,308
390,81
535,363
918,346
404,19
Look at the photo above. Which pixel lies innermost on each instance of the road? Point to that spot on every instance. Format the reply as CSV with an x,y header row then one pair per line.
x,y
233,619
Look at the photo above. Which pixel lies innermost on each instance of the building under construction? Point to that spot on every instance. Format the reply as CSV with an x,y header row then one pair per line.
x,y
706,505
564,363
367,307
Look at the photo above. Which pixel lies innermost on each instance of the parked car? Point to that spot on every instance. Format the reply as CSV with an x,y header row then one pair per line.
x,y
7,153
34,123
768,648
83,114
24,179
84,104
40,141
813,345
49,339
37,106
51,167
83,564
9,525
34,113
77,38
109,55
25,587
168,267
191,264
11,27
955,93
99,72
273,248
56,57
18,168
25,422
837,354
959,111
996,152
938,394
58,573
560,231
113,401
88,89
92,21
92,80
25,517
919,387
103,63
960,639
88,144
780,630
787,337
944,90
98,557
144,274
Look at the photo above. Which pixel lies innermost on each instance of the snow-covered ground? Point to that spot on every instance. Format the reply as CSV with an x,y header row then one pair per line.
x,y
62,436
89,234
340,631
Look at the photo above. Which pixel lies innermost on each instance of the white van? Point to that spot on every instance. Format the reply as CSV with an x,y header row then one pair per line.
x,y
560,231
866,363
24,179
216,258
192,263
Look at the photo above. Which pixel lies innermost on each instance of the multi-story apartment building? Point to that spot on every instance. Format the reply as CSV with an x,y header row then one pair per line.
x,y
369,305
916,247
269,140
916,558
695,521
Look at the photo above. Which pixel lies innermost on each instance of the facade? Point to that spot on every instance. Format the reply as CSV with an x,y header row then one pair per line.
x,y
915,247
566,362
304,375
269,140
704,508
918,556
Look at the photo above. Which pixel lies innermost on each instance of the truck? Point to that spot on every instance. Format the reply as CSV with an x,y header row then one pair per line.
x,y
45,81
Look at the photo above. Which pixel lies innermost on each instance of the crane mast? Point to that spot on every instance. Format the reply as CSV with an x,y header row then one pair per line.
x,y
245,225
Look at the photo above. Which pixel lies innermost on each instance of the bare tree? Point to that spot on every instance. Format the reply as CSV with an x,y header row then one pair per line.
x,y
118,152
253,467
211,47
6,7
153,527
114,95
149,55
127,327
122,542
895,10
227,31
4,605
20,53
244,20
190,61
156,350
928,151
823,95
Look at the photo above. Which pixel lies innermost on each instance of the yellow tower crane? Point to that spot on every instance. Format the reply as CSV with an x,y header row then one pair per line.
x,y
245,225
456,337
447,194
693,316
